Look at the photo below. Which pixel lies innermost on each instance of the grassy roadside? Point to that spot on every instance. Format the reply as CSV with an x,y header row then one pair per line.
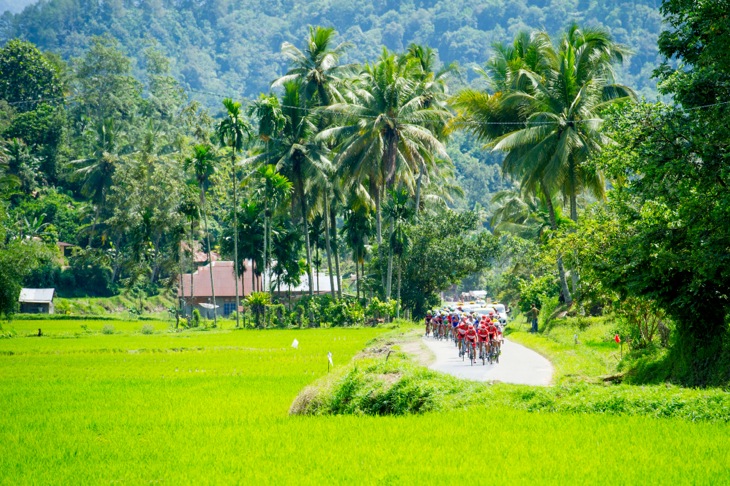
x,y
581,349
386,379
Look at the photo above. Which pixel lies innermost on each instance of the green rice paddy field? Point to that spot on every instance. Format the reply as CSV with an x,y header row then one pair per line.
x,y
82,407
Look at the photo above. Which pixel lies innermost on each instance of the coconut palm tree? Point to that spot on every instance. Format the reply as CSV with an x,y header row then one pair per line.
x,y
97,171
357,228
524,215
562,106
435,93
203,164
544,112
233,132
399,211
288,130
316,69
386,133
274,190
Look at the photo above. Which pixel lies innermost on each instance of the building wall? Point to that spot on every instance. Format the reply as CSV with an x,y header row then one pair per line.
x,y
36,308
226,305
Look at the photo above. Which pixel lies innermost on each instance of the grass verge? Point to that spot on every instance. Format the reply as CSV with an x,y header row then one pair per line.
x,y
581,349
386,381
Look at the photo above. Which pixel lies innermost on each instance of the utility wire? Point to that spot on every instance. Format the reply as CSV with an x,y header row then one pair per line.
x,y
248,102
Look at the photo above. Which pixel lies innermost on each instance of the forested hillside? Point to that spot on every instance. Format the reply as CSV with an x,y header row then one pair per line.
x,y
232,47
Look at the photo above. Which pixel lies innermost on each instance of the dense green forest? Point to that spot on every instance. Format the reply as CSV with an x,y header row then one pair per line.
x,y
232,47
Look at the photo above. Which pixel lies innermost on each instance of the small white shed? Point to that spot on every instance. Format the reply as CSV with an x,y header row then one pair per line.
x,y
36,301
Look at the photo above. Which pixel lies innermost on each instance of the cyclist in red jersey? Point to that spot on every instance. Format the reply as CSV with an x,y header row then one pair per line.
x,y
492,329
471,337
483,335
461,331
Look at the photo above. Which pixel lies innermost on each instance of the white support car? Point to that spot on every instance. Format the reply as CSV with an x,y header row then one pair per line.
x,y
498,309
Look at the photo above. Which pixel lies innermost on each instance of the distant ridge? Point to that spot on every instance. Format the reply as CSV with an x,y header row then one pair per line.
x,y
232,47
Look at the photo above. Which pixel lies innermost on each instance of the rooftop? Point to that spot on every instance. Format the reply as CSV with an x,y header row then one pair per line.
x,y
36,296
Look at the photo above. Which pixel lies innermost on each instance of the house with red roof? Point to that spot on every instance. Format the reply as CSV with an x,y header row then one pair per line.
x,y
195,290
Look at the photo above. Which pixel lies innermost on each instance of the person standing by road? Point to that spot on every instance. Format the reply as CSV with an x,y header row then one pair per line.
x,y
534,312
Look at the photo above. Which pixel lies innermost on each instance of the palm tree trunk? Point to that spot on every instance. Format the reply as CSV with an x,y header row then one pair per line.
x,y
192,266
235,233
303,202
329,248
316,249
400,271
418,187
554,226
391,158
210,260
389,282
379,225
333,226
357,279
574,217
181,299
266,244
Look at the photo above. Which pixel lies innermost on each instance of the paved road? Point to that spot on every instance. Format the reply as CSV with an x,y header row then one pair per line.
x,y
517,364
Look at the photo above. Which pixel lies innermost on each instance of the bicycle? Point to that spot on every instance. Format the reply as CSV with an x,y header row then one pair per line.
x,y
472,352
494,351
483,352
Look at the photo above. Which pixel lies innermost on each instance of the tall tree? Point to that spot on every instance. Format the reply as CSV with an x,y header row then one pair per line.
x,y
357,228
386,132
435,92
546,113
274,191
233,131
97,171
399,211
316,69
288,130
27,78
202,162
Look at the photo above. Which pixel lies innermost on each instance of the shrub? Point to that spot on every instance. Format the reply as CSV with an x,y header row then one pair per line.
x,y
378,310
537,288
195,320
640,321
257,302
107,329
147,329
547,308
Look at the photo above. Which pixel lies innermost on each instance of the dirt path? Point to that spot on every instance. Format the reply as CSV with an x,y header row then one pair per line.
x,y
517,364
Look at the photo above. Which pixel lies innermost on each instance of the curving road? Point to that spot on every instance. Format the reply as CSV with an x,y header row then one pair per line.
x,y
517,364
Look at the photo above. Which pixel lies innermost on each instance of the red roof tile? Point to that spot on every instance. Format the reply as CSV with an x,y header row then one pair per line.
x,y
223,279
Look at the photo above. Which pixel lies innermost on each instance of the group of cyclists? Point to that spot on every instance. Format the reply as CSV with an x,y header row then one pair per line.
x,y
478,337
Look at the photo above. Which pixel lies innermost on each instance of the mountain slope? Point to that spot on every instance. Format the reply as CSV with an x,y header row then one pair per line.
x,y
232,47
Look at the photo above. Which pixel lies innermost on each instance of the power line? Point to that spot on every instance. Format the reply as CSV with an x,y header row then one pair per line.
x,y
248,102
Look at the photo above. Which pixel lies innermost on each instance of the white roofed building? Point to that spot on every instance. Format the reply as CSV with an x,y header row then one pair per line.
x,y
36,301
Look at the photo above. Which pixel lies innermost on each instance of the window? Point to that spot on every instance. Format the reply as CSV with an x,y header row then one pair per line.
x,y
228,307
